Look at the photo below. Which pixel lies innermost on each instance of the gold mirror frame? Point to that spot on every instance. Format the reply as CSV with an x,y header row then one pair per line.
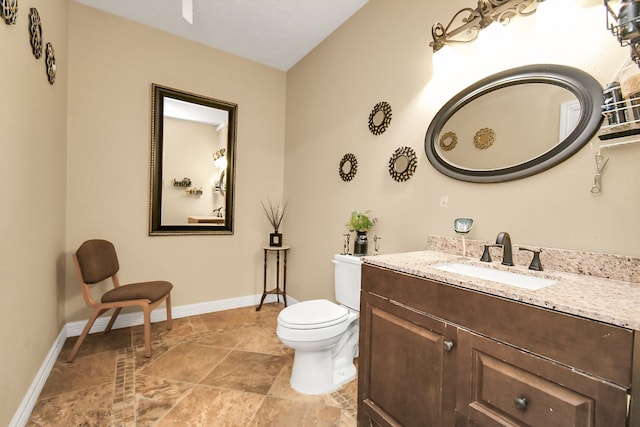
x,y
200,226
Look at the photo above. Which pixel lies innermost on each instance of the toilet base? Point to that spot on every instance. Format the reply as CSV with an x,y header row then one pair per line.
x,y
313,372
323,364
323,371
344,375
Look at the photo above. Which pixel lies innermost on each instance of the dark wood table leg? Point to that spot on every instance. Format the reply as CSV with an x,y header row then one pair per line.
x,y
284,279
277,290
264,291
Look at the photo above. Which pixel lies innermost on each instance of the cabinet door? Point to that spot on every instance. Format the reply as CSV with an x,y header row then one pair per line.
x,y
405,372
499,385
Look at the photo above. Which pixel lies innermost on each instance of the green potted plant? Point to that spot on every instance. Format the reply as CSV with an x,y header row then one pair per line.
x,y
275,211
361,223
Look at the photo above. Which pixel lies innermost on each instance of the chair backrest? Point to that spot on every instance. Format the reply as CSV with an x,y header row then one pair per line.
x,y
97,260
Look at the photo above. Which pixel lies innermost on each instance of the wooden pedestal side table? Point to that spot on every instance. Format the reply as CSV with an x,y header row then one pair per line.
x,y
275,291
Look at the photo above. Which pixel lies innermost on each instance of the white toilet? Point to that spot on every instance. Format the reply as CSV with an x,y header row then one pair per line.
x,y
324,335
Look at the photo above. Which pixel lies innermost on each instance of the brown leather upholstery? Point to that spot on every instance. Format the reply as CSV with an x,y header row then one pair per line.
x,y
151,291
98,260
95,261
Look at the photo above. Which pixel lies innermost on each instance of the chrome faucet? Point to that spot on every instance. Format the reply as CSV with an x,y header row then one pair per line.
x,y
504,240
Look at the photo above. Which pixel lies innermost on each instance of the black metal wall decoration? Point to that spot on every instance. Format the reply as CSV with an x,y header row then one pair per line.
x,y
380,118
51,63
403,164
9,10
35,31
348,167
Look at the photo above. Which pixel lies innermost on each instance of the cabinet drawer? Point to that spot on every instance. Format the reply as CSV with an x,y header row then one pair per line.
x,y
503,386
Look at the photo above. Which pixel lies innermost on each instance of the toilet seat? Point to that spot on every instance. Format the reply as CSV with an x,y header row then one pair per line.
x,y
312,314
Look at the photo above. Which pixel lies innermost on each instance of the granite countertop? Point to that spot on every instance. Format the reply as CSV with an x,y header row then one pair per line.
x,y
615,302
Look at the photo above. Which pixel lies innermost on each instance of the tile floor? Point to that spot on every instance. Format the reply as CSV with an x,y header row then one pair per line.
x,y
219,369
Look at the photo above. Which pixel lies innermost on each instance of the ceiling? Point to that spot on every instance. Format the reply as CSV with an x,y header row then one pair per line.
x,y
277,33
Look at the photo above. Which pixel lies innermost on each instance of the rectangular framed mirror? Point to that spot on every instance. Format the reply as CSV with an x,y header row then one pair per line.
x,y
193,144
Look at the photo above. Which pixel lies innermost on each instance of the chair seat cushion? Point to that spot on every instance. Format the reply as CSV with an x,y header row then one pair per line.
x,y
153,291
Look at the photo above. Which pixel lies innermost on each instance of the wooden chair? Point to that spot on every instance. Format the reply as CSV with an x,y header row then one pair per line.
x,y
95,261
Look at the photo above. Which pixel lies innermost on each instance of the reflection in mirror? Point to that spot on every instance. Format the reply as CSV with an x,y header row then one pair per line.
x,y
515,123
378,118
487,141
401,164
192,163
346,168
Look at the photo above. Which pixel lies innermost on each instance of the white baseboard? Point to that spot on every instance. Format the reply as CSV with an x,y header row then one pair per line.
x,y
21,417
74,329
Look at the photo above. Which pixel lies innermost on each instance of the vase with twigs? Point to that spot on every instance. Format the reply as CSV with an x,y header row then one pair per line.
x,y
275,211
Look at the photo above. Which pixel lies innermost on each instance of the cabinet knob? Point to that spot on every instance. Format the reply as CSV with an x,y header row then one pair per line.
x,y
448,345
521,403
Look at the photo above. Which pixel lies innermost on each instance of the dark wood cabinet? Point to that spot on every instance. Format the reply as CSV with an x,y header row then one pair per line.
x,y
406,373
432,354
500,385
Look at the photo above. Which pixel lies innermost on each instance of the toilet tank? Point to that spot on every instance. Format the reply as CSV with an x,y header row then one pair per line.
x,y
348,270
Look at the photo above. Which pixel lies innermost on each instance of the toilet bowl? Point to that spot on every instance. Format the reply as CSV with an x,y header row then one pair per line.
x,y
324,334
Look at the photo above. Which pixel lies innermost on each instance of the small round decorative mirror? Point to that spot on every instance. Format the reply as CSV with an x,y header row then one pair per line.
x,y
402,164
35,30
484,138
9,11
348,167
50,59
380,118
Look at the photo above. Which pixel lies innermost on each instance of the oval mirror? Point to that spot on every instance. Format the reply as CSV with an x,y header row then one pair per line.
x,y
515,123
401,164
193,141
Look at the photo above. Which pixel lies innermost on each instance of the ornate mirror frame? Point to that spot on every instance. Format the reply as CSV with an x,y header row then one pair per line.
x,y
586,89
225,184
402,164
380,118
348,167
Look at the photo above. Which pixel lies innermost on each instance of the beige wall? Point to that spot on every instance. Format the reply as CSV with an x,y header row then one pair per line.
x,y
32,190
382,53
98,140
112,65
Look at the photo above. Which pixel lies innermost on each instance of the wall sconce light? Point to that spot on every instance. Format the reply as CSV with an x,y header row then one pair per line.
x,y
220,159
471,21
625,25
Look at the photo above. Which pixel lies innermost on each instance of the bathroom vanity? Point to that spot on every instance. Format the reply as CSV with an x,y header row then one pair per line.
x,y
444,349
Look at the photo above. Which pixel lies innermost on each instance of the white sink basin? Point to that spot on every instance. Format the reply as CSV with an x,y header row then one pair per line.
x,y
504,277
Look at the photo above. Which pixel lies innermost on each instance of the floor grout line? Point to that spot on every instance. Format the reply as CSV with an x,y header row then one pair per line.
x,y
123,409
346,402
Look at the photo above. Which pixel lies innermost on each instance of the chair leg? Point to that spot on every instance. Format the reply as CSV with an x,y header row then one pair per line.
x,y
169,318
84,334
113,320
147,330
